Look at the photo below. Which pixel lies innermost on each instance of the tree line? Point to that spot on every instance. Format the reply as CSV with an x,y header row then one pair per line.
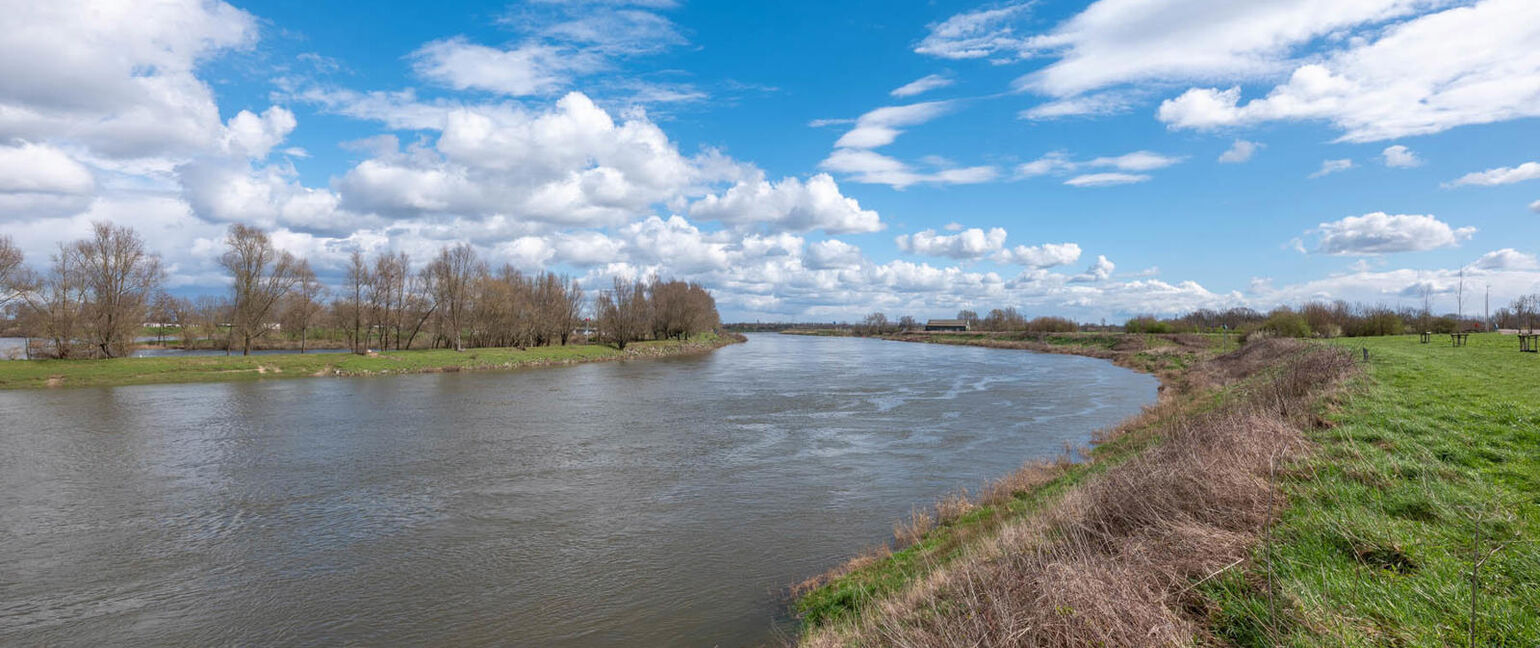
x,y
1339,319
98,293
1313,319
997,319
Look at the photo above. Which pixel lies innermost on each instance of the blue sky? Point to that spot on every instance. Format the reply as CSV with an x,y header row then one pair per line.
x,y
807,160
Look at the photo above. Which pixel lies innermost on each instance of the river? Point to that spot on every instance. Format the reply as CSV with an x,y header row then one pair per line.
x,y
653,502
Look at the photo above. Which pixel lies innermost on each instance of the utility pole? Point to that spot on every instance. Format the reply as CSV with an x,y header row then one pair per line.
x,y
1489,307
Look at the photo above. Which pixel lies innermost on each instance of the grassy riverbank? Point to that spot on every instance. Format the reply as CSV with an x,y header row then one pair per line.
x,y
1283,494
1165,355
820,332
24,374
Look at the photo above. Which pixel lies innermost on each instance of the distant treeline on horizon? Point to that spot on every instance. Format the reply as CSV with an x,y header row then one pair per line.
x,y
98,294
1312,319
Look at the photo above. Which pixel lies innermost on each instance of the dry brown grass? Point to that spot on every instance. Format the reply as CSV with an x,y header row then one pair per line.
x,y
908,532
1032,475
1114,561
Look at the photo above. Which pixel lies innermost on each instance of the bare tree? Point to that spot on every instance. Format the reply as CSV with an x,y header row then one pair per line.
x,y
702,315
669,308
419,305
452,276
1007,319
502,314
163,313
262,275
209,321
1524,311
875,323
119,277
572,311
11,271
55,303
679,309
351,310
387,296
304,303
177,312
621,313
550,305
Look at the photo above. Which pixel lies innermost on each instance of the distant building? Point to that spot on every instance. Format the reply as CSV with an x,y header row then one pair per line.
x,y
946,325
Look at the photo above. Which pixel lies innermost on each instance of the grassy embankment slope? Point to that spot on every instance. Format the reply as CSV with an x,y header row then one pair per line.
x,y
22,374
1278,495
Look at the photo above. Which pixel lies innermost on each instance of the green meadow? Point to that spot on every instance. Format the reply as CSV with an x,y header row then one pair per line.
x,y
1417,520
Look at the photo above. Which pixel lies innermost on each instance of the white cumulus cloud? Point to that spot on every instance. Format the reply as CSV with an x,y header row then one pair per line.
x,y
1467,64
1240,151
832,253
1506,259
39,168
970,243
116,77
1382,233
1047,255
790,204
1101,270
1400,156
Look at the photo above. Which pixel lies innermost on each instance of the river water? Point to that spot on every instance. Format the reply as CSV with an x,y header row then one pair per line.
x,y
638,503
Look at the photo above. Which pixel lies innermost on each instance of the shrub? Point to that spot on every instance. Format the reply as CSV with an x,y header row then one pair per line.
x,y
1051,324
1146,324
1286,323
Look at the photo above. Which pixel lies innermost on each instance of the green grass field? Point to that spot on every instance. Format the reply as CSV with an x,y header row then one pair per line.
x,y
1431,464
23,374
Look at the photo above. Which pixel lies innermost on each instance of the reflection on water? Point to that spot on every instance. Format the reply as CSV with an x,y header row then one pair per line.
x,y
662,502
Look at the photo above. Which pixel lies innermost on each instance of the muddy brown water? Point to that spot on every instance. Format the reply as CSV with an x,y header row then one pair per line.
x,y
641,503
